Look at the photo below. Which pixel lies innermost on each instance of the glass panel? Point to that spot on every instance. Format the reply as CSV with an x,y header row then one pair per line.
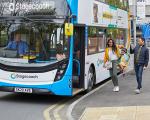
x,y
3,37
119,35
96,40
92,45
38,42
101,39
122,4
92,40
38,24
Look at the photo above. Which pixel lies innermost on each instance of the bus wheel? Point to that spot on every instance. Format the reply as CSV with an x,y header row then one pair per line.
x,y
91,79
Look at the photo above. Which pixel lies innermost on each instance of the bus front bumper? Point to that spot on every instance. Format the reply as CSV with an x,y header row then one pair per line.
x,y
34,90
62,87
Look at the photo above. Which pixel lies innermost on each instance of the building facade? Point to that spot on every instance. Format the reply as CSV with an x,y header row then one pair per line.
x,y
147,11
143,18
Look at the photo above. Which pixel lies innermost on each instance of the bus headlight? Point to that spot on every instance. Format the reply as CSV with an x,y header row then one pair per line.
x,y
61,70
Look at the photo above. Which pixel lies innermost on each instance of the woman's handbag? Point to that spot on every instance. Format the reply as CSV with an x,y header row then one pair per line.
x,y
108,65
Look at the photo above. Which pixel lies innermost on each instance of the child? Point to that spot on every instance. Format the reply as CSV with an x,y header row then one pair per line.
x,y
59,52
123,62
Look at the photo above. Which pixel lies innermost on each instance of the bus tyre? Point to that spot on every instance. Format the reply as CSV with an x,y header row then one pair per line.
x,y
91,79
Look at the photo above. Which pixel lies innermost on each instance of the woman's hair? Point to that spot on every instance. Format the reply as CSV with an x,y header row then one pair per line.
x,y
114,47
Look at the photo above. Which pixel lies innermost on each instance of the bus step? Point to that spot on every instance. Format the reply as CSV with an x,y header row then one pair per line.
x,y
75,81
75,77
77,90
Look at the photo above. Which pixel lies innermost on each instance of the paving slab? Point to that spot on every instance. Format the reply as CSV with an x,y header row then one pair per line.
x,y
117,113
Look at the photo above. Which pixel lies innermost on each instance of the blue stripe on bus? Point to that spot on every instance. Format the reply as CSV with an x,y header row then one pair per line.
x,y
64,86
73,4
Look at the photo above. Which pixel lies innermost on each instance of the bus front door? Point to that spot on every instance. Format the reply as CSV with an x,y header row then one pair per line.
x,y
79,57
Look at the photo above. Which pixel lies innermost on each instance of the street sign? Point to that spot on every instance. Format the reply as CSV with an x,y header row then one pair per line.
x,y
141,9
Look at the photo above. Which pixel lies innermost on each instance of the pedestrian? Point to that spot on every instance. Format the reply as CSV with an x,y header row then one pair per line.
x,y
141,59
112,54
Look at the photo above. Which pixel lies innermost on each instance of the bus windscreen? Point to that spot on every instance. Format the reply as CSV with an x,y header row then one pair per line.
x,y
38,24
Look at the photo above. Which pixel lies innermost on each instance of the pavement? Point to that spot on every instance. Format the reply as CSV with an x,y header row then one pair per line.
x,y
105,104
117,113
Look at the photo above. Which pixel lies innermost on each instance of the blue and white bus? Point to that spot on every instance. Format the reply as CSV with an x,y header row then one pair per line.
x,y
61,44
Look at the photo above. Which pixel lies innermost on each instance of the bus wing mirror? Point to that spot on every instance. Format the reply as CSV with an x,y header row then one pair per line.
x,y
68,29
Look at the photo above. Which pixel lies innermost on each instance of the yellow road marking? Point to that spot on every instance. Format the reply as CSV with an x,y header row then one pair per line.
x,y
46,112
58,107
56,112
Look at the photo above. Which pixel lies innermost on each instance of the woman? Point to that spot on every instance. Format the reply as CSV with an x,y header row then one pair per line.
x,y
112,54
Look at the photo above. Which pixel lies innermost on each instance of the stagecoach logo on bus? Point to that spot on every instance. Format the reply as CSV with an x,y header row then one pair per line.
x,y
30,6
15,76
99,62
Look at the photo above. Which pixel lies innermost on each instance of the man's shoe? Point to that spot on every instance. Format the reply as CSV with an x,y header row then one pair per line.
x,y
137,91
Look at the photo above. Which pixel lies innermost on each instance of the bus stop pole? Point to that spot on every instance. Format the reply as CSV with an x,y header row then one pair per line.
x,y
134,19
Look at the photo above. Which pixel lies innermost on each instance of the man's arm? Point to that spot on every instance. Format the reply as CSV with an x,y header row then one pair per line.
x,y
9,45
23,48
146,57
26,47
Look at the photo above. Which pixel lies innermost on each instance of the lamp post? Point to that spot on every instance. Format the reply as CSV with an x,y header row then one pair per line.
x,y
134,19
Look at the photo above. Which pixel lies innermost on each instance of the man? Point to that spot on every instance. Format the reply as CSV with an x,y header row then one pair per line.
x,y
18,45
141,59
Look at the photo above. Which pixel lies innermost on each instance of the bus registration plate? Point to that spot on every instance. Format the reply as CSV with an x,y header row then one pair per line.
x,y
23,90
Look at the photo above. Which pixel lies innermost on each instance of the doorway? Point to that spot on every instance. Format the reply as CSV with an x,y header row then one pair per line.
x,y
79,56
